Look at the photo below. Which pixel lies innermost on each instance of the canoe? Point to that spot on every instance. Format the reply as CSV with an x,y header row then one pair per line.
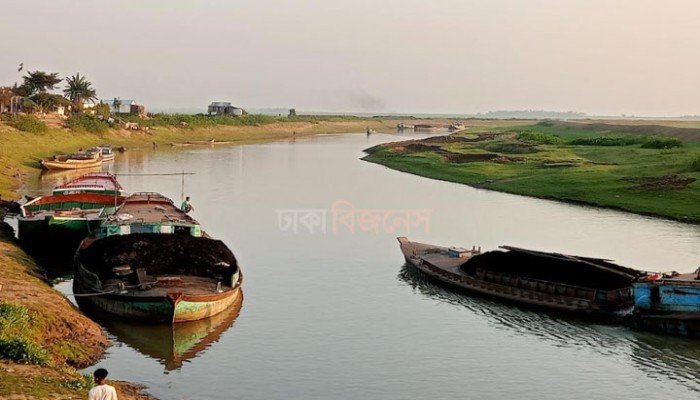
x,y
670,304
551,281
178,273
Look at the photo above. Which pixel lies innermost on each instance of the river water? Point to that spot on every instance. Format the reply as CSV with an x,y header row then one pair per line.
x,y
335,314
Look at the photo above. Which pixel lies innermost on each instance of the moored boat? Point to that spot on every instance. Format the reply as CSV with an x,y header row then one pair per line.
x,y
152,262
668,303
71,212
106,152
550,281
72,161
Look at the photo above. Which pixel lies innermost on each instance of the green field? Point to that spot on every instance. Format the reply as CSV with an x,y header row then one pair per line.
x,y
650,170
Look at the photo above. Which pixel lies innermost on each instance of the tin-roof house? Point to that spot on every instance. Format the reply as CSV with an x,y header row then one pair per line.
x,y
224,108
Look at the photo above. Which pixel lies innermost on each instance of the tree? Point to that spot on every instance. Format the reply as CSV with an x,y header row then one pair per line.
x,y
40,82
79,90
116,103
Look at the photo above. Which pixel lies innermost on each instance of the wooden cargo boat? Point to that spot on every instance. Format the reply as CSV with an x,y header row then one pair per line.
x,y
74,209
170,344
551,281
152,262
73,161
669,304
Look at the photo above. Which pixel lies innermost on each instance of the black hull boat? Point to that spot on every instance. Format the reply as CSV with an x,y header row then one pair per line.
x,y
552,281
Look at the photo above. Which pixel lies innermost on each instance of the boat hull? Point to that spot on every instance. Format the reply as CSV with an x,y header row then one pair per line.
x,y
62,165
159,308
519,290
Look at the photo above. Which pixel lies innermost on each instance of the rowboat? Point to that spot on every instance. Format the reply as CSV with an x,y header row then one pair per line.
x,y
668,303
73,161
106,152
72,211
552,281
152,262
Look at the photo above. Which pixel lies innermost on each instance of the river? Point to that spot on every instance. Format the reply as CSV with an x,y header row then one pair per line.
x,y
335,314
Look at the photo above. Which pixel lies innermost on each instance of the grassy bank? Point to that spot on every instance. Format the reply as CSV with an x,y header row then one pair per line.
x,y
43,337
652,171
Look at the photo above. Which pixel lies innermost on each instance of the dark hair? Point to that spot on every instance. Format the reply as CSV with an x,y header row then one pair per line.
x,y
100,373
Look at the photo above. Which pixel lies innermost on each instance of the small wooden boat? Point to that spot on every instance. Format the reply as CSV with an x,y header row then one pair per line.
x,y
152,262
551,281
72,211
456,127
370,131
668,303
73,161
106,152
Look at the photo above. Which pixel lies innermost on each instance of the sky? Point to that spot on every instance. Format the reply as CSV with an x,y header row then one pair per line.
x,y
601,57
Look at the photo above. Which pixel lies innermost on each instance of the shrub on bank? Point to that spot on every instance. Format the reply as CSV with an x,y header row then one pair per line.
x,y
510,148
607,141
85,122
695,164
15,323
662,143
538,137
27,123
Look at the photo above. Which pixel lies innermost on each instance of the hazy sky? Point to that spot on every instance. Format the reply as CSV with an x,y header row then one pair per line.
x,y
456,56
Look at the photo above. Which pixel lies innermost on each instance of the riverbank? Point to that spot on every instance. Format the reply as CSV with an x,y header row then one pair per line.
x,y
652,170
20,151
44,339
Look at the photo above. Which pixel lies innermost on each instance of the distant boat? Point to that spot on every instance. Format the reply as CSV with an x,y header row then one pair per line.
x,y
152,262
106,152
210,142
404,127
551,281
456,127
370,131
72,161
669,304
72,211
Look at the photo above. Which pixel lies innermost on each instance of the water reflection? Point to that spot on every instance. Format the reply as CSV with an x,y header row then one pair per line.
x,y
170,344
661,357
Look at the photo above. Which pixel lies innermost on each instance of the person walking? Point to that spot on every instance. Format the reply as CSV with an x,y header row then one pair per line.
x,y
102,391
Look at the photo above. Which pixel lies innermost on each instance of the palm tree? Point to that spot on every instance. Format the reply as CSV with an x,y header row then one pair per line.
x,y
79,90
116,103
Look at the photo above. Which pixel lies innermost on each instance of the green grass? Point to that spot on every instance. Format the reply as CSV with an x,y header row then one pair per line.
x,y
17,333
582,173
26,123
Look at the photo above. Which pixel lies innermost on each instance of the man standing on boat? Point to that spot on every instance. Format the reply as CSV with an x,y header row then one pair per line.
x,y
186,207
102,391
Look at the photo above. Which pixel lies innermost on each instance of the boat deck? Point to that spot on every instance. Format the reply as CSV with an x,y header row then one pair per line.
x,y
164,284
152,208
437,256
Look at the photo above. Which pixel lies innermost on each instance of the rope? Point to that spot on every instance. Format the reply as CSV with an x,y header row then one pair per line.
x,y
90,294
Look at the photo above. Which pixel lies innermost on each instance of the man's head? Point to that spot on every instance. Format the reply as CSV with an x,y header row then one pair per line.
x,y
100,375
187,198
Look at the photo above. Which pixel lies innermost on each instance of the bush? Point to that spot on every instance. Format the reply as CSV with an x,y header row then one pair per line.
x,y
14,322
695,164
89,123
538,137
102,109
607,141
28,123
23,350
662,143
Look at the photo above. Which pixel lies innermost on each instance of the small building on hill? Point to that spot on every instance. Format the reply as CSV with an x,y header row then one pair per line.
x,y
224,108
9,101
